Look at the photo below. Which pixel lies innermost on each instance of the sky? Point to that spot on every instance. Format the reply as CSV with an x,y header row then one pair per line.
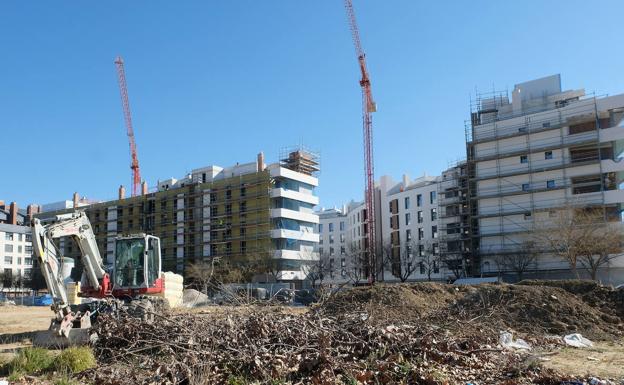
x,y
215,82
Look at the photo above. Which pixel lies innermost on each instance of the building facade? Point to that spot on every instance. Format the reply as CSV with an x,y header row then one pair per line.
x,y
245,213
539,151
16,261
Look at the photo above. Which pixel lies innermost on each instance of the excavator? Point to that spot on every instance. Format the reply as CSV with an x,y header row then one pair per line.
x,y
134,281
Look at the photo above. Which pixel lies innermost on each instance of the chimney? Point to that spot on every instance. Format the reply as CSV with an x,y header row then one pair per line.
x,y
144,188
122,192
405,180
260,161
76,199
31,210
13,214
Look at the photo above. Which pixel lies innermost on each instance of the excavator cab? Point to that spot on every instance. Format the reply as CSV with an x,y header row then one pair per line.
x,y
137,263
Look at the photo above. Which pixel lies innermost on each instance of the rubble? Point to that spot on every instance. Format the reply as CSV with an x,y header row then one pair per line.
x,y
411,334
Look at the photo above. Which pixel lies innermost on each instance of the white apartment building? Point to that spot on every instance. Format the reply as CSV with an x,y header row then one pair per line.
x,y
410,222
407,233
543,149
341,242
16,259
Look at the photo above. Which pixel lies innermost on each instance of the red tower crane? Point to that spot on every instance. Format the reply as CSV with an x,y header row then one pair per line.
x,y
136,173
368,107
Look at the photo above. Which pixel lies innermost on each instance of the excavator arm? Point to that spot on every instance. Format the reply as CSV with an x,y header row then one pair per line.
x,y
77,226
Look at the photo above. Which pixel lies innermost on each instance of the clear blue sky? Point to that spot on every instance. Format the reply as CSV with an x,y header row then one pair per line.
x,y
214,82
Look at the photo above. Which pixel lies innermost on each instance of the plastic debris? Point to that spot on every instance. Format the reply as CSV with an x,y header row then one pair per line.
x,y
506,339
578,341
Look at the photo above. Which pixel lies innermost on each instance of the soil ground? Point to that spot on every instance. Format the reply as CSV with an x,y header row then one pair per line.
x,y
604,359
17,324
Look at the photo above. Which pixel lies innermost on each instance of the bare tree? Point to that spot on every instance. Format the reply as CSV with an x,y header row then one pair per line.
x,y
319,269
452,262
581,236
519,261
354,267
401,261
430,260
603,243
201,273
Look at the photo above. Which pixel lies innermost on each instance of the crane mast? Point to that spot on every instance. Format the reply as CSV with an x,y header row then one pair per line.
x,y
368,107
134,165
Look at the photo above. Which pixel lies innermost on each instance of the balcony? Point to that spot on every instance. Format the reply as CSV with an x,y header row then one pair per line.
x,y
294,234
297,215
296,254
295,195
290,174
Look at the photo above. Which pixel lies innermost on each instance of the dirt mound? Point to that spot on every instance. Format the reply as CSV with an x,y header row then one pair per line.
x,y
405,301
609,300
557,307
537,310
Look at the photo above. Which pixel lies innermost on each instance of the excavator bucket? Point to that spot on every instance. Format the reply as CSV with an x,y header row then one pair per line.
x,y
69,332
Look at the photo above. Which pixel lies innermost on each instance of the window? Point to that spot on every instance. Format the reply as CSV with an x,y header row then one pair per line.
x,y
320,228
213,197
434,214
343,250
320,241
342,238
421,233
525,187
421,250
408,219
435,249
331,251
8,248
524,159
331,227
331,238
19,248
214,211
434,231
408,235
8,236
407,203
243,247
342,226
228,194
432,196
419,200
550,184
422,267
20,237
242,231
548,155
343,262
228,209
27,261
321,251
243,191
28,237
420,217
8,260
19,260
436,268
243,206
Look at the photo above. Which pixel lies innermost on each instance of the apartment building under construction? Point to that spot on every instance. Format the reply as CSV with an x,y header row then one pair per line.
x,y
245,212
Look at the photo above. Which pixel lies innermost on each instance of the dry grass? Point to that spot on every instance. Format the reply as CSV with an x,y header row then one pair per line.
x,y
605,360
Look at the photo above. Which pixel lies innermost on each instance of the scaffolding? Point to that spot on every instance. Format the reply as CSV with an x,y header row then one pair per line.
x,y
519,164
300,159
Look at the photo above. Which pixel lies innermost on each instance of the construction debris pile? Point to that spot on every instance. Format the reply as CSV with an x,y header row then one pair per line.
x,y
417,334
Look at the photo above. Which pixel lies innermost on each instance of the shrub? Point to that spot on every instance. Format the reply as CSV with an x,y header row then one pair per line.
x,y
75,360
29,361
